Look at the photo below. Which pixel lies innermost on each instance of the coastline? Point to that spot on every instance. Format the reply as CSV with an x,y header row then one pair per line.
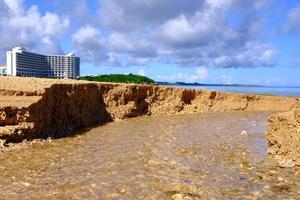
x,y
32,108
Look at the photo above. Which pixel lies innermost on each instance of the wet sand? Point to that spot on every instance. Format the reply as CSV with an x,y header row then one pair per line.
x,y
201,156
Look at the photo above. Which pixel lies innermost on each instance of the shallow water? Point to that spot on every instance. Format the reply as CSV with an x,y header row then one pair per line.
x,y
165,157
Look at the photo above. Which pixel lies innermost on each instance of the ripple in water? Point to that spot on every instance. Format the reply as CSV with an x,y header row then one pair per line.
x,y
165,157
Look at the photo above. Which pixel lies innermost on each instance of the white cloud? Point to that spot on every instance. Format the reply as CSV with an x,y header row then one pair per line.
x,y
293,20
124,15
133,45
199,75
271,81
142,72
219,3
251,55
183,31
137,32
51,24
118,42
193,33
29,28
79,11
89,36
88,43
15,5
226,79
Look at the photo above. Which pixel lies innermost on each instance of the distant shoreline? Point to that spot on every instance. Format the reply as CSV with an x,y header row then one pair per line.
x,y
221,85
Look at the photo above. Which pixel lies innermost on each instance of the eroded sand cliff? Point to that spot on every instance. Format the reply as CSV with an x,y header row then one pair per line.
x,y
284,136
33,108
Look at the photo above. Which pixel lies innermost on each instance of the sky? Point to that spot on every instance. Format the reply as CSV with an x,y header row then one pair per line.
x,y
205,41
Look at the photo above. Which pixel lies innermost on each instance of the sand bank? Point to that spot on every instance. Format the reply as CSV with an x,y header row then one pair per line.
x,y
284,136
33,108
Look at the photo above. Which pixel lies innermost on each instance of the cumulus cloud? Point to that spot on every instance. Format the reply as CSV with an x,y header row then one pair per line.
x,y
88,43
15,6
226,79
274,81
134,45
138,32
207,38
142,72
250,55
187,33
200,74
29,28
195,31
293,20
128,15
51,24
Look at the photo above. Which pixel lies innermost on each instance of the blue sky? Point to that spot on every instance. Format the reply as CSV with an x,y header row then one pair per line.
x,y
207,41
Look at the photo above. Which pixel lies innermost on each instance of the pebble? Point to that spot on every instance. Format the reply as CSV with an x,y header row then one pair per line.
x,y
153,162
25,184
2,142
244,133
123,191
267,187
286,163
280,179
181,197
177,197
245,164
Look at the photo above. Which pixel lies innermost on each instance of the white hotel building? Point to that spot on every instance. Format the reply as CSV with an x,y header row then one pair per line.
x,y
20,62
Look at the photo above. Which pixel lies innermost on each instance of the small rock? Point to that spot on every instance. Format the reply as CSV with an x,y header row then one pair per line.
x,y
177,197
286,163
256,193
123,191
272,171
25,184
153,162
181,197
267,187
244,133
280,179
2,142
173,162
245,164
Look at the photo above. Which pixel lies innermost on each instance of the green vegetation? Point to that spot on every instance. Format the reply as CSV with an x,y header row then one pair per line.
x,y
119,78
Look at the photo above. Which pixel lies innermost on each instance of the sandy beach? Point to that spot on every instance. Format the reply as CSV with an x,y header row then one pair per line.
x,y
169,139
33,108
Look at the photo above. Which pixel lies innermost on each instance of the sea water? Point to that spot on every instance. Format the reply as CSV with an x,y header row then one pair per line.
x,y
278,91
208,156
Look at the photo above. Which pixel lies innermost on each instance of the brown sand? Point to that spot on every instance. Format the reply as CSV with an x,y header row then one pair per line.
x,y
284,136
40,108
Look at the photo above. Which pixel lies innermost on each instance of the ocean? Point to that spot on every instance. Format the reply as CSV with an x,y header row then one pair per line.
x,y
278,91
